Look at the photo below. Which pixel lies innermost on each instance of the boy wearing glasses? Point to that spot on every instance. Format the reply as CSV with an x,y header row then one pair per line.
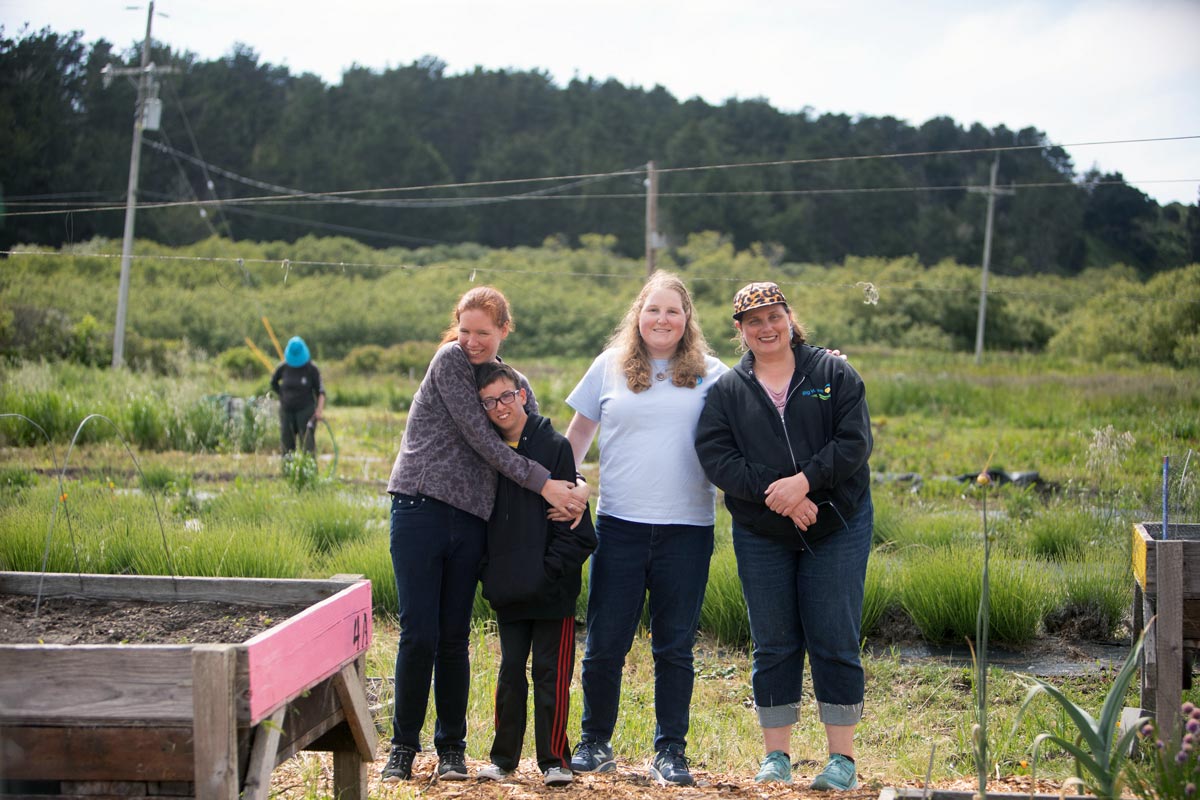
x,y
531,576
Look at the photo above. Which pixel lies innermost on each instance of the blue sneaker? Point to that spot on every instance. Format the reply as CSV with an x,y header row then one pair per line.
x,y
670,766
776,768
593,757
839,775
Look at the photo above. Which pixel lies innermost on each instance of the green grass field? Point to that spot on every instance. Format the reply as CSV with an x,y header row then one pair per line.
x,y
166,481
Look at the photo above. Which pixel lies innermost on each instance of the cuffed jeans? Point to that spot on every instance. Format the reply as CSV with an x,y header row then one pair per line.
x,y
806,601
436,552
671,561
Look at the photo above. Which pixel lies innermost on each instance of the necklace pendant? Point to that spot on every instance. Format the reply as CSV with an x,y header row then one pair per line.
x,y
660,376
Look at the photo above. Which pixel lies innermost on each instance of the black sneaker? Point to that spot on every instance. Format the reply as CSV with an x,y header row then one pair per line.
x,y
670,766
399,764
452,766
593,757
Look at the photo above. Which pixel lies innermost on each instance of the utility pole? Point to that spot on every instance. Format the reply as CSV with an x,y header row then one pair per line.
x,y
135,159
651,216
991,191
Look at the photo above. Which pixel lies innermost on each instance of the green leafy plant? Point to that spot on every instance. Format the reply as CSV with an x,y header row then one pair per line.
x,y
300,470
1100,754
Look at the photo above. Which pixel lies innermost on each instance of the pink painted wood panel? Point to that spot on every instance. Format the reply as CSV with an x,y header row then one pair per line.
x,y
307,648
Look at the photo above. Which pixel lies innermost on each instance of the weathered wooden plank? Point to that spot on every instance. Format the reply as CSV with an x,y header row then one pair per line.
x,y
97,753
309,718
307,648
95,683
159,588
1149,670
257,785
1169,638
215,722
350,775
349,685
1146,540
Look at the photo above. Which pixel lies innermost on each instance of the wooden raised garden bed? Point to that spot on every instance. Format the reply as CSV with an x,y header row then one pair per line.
x,y
209,721
1167,574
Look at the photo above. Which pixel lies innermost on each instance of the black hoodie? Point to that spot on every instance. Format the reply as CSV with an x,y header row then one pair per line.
x,y
745,445
532,566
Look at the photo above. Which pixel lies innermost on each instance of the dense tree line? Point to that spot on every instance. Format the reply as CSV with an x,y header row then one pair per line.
x,y
66,139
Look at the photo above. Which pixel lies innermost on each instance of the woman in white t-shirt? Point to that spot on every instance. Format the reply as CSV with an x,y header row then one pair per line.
x,y
655,516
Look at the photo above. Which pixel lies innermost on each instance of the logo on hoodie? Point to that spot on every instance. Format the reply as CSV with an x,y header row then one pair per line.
x,y
820,394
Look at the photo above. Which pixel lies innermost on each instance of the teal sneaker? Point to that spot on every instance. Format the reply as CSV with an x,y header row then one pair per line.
x,y
839,775
776,768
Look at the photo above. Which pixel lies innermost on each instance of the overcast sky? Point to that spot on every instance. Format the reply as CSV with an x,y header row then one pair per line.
x,y
1088,71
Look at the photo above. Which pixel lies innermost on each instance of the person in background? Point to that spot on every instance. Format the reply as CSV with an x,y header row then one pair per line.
x,y
786,435
654,518
531,576
297,384
443,487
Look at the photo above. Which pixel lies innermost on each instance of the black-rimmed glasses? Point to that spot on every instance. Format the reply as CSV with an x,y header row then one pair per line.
x,y
507,398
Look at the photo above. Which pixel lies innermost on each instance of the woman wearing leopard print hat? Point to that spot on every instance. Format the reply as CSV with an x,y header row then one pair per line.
x,y
786,435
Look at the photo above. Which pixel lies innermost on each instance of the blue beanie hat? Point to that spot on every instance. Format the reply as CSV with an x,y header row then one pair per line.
x,y
296,354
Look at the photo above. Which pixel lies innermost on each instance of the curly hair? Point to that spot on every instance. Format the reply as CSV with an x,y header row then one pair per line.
x,y
687,364
480,298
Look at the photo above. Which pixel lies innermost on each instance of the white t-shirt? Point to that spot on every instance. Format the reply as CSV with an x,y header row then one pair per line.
x,y
649,471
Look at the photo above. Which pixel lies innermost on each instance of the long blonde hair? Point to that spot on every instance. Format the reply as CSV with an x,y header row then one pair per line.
x,y
480,298
687,364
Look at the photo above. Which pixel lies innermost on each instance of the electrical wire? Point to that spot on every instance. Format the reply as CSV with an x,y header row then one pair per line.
x,y
293,193
318,197
208,182
228,205
330,226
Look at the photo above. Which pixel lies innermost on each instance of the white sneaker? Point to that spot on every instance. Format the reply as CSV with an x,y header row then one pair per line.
x,y
559,776
492,773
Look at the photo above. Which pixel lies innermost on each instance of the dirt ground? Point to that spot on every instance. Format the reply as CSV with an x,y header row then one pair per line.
x,y
295,779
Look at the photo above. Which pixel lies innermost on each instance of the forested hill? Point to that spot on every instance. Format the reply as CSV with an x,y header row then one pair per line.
x,y
235,128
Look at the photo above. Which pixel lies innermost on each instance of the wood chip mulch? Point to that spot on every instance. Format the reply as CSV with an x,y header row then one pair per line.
x,y
298,777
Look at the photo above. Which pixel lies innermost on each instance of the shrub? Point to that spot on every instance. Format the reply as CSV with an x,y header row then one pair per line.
x,y
364,360
241,362
146,422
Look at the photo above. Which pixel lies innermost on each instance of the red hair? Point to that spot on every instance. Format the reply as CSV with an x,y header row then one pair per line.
x,y
481,298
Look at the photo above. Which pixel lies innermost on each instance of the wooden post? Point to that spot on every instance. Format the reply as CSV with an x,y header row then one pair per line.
x,y
1168,641
651,216
262,757
215,721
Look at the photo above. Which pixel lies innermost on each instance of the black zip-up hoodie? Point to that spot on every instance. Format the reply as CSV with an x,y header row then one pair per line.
x,y
532,566
745,445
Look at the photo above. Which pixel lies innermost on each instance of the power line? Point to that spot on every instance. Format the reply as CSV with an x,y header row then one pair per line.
x,y
229,203
924,153
331,226
641,170
319,197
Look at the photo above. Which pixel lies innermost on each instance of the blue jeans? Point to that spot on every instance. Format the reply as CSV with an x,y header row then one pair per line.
x,y
806,601
671,562
436,552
